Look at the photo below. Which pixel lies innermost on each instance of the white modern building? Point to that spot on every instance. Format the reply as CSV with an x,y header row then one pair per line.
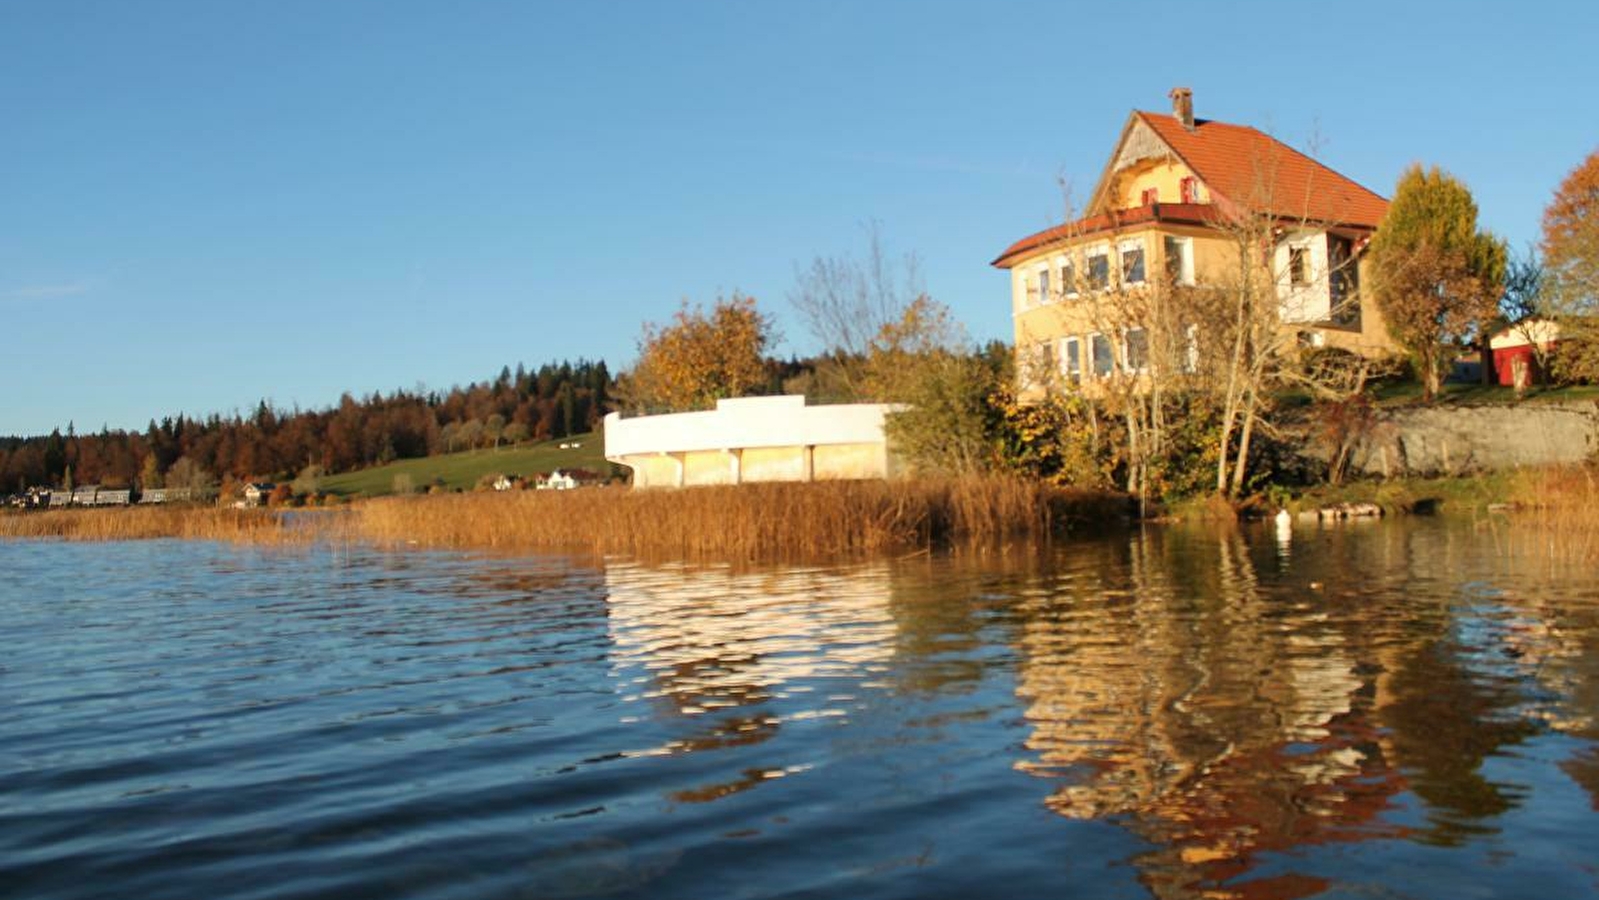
x,y
752,439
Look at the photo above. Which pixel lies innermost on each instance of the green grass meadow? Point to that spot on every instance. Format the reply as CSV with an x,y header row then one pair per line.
x,y
462,470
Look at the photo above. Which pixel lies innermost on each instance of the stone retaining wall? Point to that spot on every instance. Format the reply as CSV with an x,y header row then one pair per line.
x,y
1452,439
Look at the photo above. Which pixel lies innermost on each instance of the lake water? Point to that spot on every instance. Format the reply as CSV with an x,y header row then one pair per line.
x,y
1390,710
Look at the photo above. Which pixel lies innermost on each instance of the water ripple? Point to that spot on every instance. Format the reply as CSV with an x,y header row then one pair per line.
x,y
1172,714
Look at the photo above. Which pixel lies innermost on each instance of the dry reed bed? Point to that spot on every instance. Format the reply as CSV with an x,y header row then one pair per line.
x,y
752,521
144,523
742,522
1557,511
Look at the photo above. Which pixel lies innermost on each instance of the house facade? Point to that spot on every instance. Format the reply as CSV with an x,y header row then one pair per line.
x,y
1182,207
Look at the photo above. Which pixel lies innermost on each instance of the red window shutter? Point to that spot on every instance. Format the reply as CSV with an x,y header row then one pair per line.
x,y
1188,188
1151,196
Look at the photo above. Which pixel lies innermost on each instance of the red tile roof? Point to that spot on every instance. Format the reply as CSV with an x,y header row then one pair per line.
x,y
1249,167
1242,166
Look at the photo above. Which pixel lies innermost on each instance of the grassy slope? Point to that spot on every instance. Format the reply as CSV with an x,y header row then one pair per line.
x,y
1404,393
462,470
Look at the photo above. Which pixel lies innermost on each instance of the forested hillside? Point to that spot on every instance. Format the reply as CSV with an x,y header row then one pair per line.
x,y
556,400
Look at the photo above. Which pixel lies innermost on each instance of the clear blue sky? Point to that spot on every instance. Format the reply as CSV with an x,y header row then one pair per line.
x,y
203,204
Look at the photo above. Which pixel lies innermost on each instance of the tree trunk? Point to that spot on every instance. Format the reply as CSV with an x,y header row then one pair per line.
x,y
1241,461
1431,377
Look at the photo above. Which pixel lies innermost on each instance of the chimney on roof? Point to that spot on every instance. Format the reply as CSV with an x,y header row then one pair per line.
x,y
1182,106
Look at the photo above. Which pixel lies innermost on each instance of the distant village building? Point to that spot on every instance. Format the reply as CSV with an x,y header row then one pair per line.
x,y
257,492
506,482
164,495
752,439
566,479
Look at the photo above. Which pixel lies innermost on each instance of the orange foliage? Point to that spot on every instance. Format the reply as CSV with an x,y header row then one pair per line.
x,y
1571,236
699,358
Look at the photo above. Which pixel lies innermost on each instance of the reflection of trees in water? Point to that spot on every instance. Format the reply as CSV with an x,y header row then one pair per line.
x,y
1221,708
1510,651
950,612
1167,690
1548,631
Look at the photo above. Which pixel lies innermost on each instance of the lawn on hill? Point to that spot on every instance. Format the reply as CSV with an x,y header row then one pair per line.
x,y
1408,393
462,470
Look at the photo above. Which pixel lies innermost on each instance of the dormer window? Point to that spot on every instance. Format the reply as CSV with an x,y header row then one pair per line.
x,y
1189,187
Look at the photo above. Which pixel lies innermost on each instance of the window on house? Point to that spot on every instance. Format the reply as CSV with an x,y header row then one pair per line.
x,y
1132,253
1068,278
1104,360
1179,260
1299,266
1136,349
1071,359
1189,188
1150,196
1099,270
1044,295
1343,278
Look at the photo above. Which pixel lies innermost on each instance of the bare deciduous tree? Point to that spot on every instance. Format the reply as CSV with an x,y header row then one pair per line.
x,y
846,303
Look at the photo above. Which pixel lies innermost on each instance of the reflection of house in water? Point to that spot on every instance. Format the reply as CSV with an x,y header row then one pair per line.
x,y
717,644
1210,719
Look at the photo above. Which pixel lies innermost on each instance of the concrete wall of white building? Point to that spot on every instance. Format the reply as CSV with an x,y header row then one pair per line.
x,y
752,439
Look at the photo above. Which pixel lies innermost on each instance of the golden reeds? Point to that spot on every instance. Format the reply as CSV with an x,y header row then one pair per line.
x,y
146,522
1556,510
741,522
752,521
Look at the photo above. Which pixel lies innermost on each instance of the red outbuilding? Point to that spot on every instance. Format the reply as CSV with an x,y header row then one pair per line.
x,y
1515,363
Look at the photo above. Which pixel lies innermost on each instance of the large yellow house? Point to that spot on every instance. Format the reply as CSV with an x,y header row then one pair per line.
x,y
1170,212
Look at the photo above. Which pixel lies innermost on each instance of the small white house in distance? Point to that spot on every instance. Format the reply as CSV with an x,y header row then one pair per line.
x,y
752,439
555,481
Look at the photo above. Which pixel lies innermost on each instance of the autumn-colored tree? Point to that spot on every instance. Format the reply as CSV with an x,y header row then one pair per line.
x,y
848,304
1437,276
187,475
699,358
1571,260
923,359
309,481
150,472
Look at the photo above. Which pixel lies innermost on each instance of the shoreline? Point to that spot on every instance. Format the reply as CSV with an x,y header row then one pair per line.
x,y
776,521
765,520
